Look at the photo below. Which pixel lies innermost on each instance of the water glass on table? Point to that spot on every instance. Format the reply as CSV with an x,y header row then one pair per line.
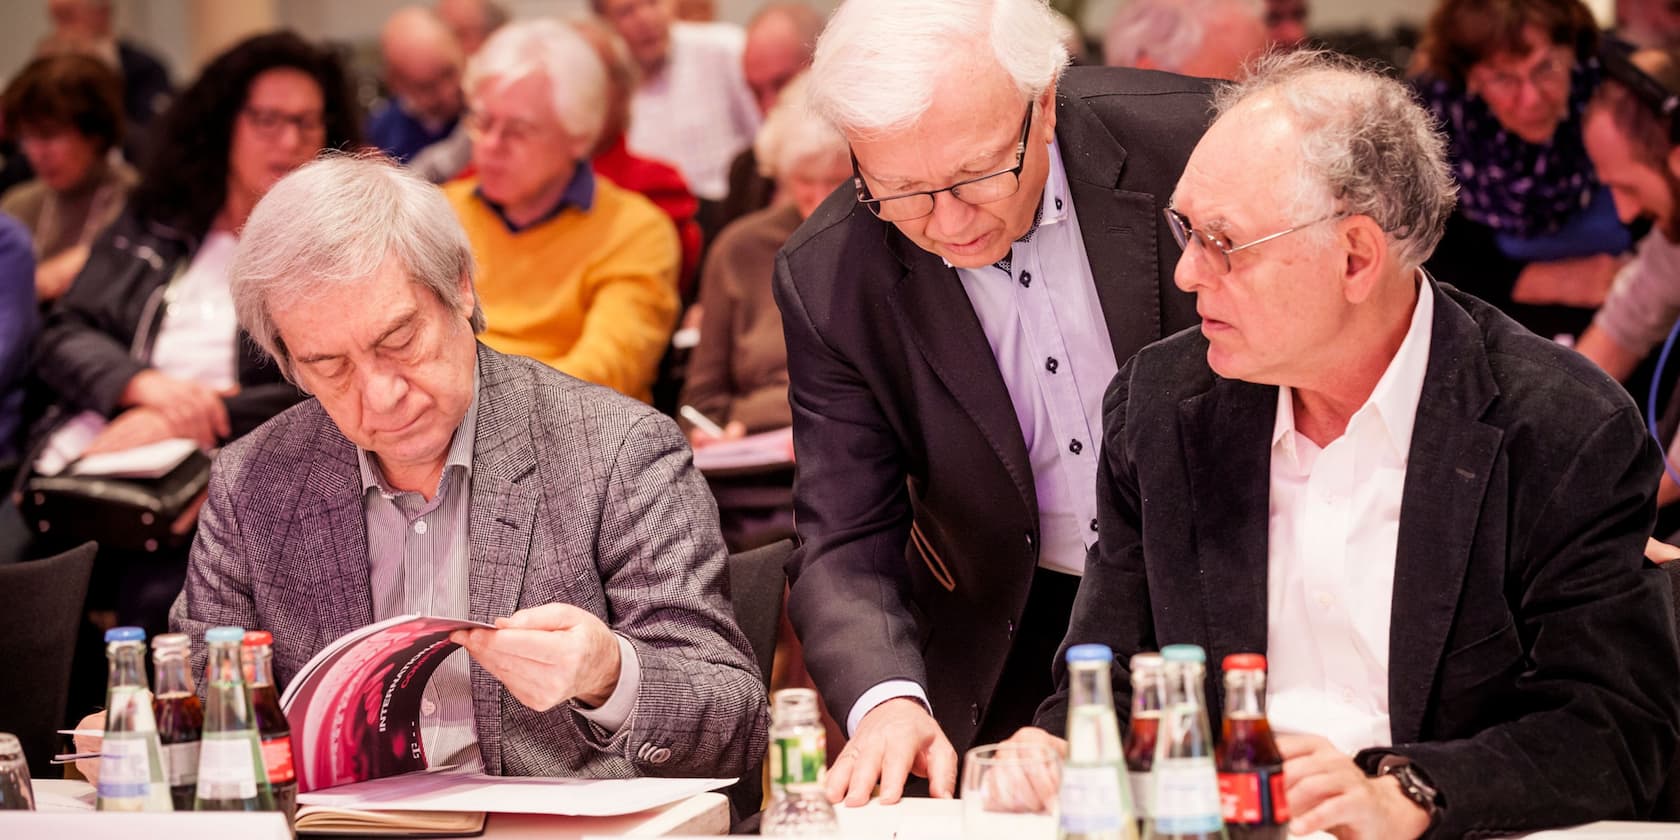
x,y
16,793
1009,792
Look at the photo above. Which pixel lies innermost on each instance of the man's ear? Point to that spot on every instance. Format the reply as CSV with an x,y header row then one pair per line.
x,y
1366,251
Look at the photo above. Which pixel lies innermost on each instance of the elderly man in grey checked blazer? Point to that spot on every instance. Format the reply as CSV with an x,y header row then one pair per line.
x,y
433,475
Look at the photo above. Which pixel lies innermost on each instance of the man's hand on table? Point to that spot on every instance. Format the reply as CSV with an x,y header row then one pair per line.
x,y
547,655
892,741
1326,791
89,767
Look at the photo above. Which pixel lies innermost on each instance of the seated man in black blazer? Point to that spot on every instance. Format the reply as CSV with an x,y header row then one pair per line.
x,y
1429,519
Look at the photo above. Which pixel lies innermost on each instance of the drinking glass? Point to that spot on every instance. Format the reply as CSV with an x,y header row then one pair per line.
x,y
1009,792
16,793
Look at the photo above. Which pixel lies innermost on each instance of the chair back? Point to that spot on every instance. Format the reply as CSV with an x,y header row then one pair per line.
x,y
756,580
37,636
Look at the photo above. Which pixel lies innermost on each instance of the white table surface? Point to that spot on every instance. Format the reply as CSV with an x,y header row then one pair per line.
x,y
706,814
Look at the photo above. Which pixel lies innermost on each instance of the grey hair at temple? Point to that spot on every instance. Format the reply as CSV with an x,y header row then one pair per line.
x,y
1367,147
335,221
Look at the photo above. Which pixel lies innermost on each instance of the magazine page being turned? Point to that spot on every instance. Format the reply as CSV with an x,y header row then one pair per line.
x,y
354,709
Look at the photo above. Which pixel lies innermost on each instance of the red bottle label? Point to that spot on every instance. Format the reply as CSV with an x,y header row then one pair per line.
x,y
1253,798
277,759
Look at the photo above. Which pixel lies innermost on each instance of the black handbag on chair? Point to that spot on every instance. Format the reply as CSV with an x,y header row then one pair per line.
x,y
133,514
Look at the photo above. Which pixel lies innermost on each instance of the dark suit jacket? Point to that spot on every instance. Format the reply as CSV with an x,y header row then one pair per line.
x,y
1532,660
580,496
902,423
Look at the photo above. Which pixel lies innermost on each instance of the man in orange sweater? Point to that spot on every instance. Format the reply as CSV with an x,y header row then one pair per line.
x,y
573,270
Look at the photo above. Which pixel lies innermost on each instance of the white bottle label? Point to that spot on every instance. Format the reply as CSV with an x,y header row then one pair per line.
x,y
226,766
1186,796
180,763
124,766
1142,787
1091,800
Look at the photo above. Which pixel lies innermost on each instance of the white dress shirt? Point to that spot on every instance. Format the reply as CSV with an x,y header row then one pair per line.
x,y
1045,326
697,114
1333,527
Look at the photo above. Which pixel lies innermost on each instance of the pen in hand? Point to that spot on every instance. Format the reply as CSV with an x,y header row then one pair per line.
x,y
701,421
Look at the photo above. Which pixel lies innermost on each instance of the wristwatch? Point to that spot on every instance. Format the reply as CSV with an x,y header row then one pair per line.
x,y
1415,787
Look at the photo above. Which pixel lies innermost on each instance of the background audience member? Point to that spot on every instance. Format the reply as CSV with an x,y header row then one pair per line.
x,y
695,11
1534,234
423,74
18,322
85,25
692,108
1210,38
1286,23
780,39
612,159
575,271
128,364
472,21
1652,24
66,113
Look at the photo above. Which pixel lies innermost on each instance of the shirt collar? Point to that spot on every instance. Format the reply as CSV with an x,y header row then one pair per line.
x,y
580,193
1395,399
460,450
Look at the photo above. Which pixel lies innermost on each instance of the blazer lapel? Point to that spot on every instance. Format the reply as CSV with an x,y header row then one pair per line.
x,y
935,312
336,532
1227,434
1450,461
502,518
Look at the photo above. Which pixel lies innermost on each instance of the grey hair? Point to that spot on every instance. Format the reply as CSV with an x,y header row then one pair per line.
x,y
793,137
1367,147
1169,32
878,61
334,221
555,52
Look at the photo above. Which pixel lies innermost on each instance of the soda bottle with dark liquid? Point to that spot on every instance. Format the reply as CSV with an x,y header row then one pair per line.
x,y
272,728
231,774
1184,802
1140,734
180,717
1250,766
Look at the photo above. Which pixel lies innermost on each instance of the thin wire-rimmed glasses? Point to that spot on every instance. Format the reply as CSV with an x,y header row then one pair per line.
x,y
982,190
1215,248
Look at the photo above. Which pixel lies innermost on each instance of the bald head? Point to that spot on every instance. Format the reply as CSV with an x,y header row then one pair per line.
x,y
472,21
422,63
1208,38
780,40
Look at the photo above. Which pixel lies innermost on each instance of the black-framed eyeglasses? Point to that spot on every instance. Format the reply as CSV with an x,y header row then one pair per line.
x,y
1216,249
269,122
982,190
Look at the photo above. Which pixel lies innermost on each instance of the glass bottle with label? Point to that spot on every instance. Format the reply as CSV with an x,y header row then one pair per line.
x,y
1250,766
1095,793
798,758
1145,723
131,776
231,775
272,726
1185,801
180,717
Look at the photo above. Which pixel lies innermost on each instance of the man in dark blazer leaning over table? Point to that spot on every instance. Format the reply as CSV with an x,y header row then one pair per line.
x,y
434,475
951,324
1430,520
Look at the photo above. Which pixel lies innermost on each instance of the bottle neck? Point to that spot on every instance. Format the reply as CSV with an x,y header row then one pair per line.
x,y
259,664
225,665
1245,693
1088,685
172,674
128,664
1146,691
795,709
1182,683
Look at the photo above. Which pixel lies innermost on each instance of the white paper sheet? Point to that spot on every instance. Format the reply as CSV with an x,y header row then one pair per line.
x,y
154,460
765,449
436,790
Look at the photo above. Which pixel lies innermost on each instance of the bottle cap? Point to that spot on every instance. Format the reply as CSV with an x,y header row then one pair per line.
x,y
171,641
1244,662
224,634
1090,653
258,638
125,634
1145,661
1184,653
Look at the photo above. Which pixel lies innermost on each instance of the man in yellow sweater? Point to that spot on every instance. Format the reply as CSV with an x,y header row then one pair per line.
x,y
573,271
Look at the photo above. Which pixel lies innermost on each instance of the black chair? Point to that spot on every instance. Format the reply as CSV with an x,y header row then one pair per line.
x,y
756,581
37,634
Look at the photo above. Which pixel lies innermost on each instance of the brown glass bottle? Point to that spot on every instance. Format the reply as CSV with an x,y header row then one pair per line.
x,y
1251,784
272,727
1145,723
180,717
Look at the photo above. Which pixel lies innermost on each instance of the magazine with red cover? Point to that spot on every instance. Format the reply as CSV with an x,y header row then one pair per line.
x,y
354,709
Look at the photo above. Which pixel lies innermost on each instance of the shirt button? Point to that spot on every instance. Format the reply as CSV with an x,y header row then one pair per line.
x,y
420,527
1093,525
1051,364
1347,695
1325,599
427,707
1026,279
1058,204
1076,447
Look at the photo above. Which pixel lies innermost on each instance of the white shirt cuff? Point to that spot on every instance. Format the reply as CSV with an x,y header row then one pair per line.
x,y
612,714
881,693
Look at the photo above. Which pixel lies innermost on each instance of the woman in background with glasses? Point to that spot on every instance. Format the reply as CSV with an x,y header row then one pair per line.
x,y
1535,233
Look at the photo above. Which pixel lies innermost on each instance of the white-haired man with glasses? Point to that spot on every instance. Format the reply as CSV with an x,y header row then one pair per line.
x,y
952,318
1430,520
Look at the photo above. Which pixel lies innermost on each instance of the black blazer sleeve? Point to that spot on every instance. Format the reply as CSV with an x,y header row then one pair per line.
x,y
83,353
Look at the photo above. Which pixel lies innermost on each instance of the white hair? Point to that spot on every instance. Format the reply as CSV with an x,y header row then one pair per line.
x,y
556,53
793,137
1169,32
334,221
878,61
